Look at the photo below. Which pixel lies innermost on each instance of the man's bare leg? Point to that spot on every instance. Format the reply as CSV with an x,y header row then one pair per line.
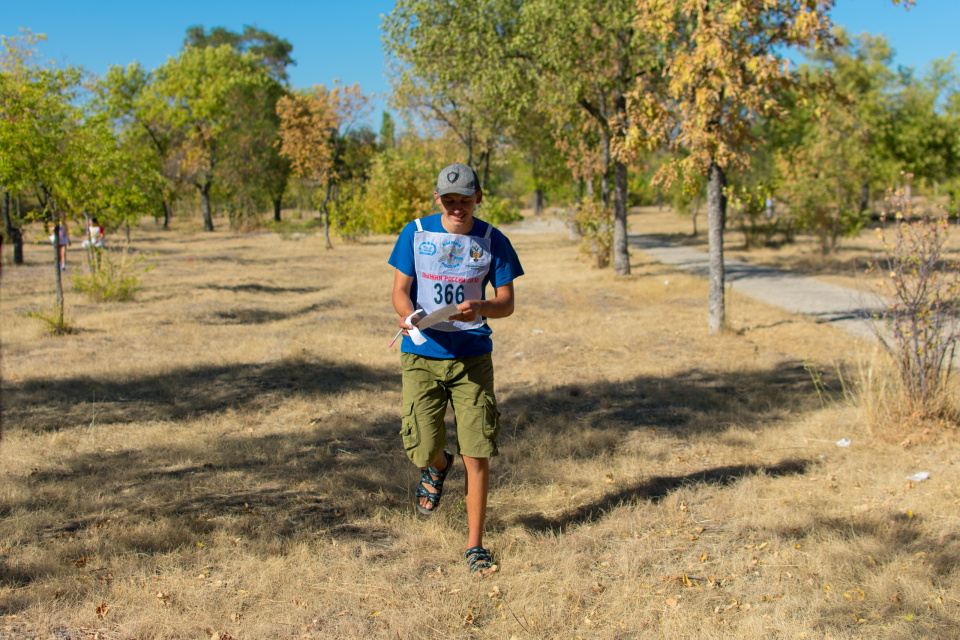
x,y
477,487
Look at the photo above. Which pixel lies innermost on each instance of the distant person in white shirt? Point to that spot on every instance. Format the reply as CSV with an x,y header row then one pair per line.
x,y
95,235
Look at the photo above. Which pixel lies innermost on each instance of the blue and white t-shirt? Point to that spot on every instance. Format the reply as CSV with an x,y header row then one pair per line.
x,y
504,267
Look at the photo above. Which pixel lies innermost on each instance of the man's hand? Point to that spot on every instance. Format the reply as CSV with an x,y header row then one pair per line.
x,y
404,325
469,311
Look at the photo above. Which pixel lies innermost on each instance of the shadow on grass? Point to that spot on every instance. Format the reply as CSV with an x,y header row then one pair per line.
x,y
654,490
51,405
688,403
241,315
330,476
261,288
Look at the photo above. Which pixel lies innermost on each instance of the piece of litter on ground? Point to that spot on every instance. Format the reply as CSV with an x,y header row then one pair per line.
x,y
843,442
823,457
538,330
919,477
518,354
666,282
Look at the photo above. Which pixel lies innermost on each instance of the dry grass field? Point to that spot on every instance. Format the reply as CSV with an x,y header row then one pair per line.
x,y
220,459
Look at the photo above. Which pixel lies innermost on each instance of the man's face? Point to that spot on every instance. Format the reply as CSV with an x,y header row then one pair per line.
x,y
458,209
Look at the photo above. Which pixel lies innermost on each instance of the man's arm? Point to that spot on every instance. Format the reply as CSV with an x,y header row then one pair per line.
x,y
500,306
402,283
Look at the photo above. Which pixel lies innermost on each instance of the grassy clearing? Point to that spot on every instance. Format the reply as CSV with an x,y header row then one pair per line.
x,y
220,458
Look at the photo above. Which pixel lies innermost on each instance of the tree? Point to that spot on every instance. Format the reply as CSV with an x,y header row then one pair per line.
x,y
312,134
253,166
828,151
388,131
41,133
272,51
724,65
586,56
194,92
123,95
446,66
920,134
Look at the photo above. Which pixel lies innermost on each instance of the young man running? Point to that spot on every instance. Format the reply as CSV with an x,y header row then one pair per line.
x,y
448,258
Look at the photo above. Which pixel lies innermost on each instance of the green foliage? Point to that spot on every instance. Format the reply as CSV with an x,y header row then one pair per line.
x,y
197,94
115,277
498,211
754,211
441,62
923,289
41,131
594,223
400,187
823,172
388,131
273,52
348,215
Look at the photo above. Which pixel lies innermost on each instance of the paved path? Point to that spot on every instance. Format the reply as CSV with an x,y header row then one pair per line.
x,y
831,304
841,307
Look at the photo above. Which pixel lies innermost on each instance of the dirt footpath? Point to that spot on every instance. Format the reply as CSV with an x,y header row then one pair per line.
x,y
845,308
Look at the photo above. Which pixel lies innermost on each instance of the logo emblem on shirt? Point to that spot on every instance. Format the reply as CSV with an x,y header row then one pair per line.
x,y
427,249
451,256
476,252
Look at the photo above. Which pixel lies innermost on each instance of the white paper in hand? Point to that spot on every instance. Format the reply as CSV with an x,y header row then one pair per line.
x,y
440,315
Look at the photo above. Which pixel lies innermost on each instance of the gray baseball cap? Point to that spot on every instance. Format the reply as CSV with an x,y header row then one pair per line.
x,y
457,178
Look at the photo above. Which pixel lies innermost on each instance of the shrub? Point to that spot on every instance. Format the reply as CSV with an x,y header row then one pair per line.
x,y
920,288
112,278
53,320
399,189
754,212
498,211
593,222
349,218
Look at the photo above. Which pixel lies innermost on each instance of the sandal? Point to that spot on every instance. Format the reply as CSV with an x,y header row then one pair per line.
x,y
479,560
427,477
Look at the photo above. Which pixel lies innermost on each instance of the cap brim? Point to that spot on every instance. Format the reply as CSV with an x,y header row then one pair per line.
x,y
460,190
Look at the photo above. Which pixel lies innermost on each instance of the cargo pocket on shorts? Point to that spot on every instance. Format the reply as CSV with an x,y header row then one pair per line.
x,y
409,428
491,418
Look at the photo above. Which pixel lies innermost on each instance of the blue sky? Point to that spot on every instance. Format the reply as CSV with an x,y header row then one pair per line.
x,y
336,39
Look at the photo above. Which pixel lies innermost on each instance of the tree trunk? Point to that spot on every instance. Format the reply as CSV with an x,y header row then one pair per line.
x,y
205,206
58,309
12,234
572,213
486,168
277,203
537,202
325,217
5,208
696,212
716,212
89,242
864,196
167,213
605,163
621,253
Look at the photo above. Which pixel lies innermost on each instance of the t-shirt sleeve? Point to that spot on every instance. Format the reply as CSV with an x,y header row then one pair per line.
x,y
506,263
402,256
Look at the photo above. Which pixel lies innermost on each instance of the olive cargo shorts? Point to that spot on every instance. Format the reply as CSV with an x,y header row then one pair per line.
x,y
428,383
